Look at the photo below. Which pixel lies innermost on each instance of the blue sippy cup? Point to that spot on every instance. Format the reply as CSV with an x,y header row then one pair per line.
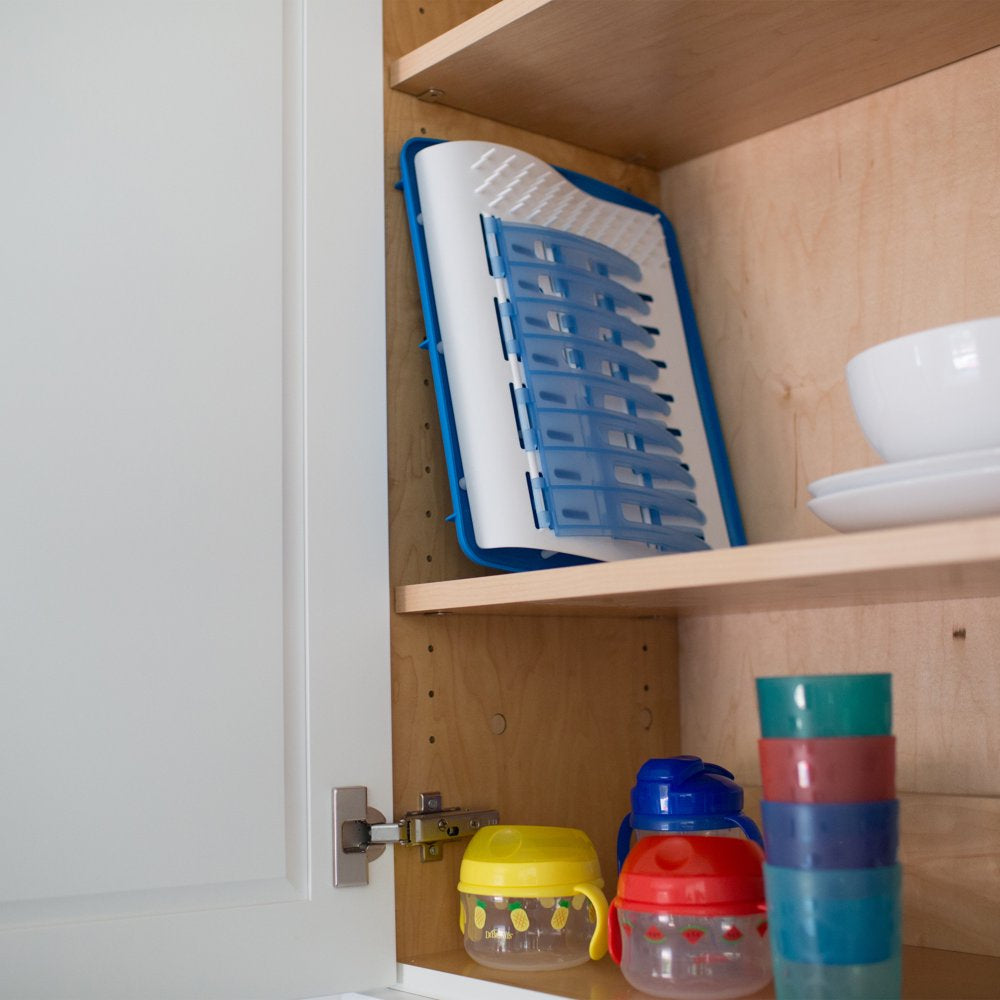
x,y
687,796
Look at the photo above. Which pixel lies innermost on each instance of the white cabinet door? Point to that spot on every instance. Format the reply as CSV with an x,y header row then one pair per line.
x,y
193,581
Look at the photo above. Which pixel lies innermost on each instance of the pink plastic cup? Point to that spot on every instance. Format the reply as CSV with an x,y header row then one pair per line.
x,y
828,769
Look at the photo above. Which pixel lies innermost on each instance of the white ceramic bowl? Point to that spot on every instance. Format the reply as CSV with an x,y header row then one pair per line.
x,y
930,393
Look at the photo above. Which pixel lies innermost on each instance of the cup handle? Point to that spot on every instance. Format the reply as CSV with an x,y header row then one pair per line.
x,y
749,827
599,940
614,934
624,839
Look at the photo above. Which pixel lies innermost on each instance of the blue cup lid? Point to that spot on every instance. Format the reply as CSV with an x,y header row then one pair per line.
x,y
679,787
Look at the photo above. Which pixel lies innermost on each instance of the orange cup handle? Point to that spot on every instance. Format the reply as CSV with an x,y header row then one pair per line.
x,y
614,934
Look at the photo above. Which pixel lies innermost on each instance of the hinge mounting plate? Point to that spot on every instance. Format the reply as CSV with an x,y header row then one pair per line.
x,y
360,833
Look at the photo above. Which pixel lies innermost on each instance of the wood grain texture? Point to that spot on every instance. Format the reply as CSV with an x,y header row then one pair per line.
x,y
950,851
547,721
811,243
662,81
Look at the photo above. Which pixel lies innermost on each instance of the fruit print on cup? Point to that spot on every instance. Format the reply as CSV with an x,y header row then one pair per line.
x,y
518,917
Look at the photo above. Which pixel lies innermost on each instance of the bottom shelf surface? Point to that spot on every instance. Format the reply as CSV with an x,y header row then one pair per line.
x,y
928,974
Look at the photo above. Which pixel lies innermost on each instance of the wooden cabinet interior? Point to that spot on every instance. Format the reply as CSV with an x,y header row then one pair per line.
x,y
802,245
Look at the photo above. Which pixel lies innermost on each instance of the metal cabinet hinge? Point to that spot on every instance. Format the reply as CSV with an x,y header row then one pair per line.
x,y
360,833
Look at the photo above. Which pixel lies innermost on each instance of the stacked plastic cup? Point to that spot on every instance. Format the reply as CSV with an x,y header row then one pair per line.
x,y
831,834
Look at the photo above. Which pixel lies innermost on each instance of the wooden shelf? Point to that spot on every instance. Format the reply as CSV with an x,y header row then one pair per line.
x,y
662,81
928,974
926,562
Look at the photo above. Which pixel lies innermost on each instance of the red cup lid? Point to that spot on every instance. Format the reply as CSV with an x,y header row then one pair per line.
x,y
705,876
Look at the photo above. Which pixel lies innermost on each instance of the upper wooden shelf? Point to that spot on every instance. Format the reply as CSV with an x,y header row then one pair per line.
x,y
924,562
661,81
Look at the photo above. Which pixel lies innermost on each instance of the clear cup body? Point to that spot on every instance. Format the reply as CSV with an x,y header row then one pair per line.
x,y
694,958
526,934
729,831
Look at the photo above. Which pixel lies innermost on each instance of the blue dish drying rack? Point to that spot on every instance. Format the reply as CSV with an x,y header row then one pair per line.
x,y
562,318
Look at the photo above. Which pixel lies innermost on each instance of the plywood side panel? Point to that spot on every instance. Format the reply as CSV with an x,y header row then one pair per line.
x,y
546,720
810,243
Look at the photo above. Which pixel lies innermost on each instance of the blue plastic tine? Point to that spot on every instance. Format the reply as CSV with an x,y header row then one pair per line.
x,y
600,429
664,502
567,249
584,288
601,467
579,390
551,351
583,511
579,320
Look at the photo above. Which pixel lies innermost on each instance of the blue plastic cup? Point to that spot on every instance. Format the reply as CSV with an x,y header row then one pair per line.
x,y
834,916
810,981
831,835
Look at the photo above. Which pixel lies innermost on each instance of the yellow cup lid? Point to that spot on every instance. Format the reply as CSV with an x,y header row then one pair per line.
x,y
529,861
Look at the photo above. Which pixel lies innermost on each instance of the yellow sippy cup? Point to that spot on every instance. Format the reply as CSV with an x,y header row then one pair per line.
x,y
531,899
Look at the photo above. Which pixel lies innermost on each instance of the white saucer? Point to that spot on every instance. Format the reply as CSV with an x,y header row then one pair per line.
x,y
876,475
973,492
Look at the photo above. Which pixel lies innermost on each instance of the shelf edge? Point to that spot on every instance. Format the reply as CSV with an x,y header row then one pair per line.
x,y
477,28
885,565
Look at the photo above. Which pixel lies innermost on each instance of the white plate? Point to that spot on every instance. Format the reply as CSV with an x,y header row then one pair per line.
x,y
876,475
944,497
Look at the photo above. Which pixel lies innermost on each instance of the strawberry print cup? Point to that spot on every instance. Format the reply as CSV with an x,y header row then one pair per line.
x,y
689,920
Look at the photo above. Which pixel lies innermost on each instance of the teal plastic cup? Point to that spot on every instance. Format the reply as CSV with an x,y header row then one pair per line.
x,y
811,981
834,916
808,707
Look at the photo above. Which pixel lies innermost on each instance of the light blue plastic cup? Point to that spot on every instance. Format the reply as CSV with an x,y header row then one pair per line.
x,y
811,981
840,916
